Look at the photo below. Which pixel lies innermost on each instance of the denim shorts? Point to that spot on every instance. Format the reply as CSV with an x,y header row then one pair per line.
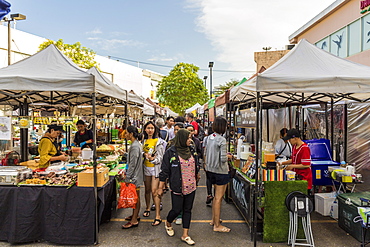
x,y
219,179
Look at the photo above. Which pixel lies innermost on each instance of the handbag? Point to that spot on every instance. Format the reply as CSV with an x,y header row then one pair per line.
x,y
232,170
127,196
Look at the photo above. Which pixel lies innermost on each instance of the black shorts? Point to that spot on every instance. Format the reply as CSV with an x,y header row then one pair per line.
x,y
218,179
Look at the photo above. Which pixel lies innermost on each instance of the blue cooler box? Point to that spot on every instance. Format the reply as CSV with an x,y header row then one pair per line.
x,y
320,161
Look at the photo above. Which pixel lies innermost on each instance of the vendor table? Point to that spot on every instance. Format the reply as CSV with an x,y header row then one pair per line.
x,y
54,214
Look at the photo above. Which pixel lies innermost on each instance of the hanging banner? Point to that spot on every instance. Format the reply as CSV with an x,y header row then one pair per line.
x,y
246,118
5,128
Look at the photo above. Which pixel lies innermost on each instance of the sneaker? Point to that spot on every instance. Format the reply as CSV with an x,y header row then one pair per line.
x,y
178,221
152,207
209,199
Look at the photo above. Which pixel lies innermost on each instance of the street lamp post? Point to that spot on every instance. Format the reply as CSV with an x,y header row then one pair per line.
x,y
205,81
210,65
13,17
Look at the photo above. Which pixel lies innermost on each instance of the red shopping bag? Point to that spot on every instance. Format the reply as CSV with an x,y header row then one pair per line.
x,y
127,196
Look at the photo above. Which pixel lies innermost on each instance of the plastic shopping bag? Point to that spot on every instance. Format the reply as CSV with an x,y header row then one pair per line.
x,y
127,196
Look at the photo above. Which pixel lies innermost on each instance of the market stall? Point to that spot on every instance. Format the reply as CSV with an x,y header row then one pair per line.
x,y
306,75
50,78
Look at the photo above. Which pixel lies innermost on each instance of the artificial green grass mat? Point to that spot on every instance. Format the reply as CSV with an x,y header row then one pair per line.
x,y
276,214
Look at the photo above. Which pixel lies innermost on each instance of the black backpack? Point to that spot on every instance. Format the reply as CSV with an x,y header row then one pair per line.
x,y
201,133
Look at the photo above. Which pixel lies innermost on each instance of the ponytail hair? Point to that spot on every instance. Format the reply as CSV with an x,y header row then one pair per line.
x,y
132,129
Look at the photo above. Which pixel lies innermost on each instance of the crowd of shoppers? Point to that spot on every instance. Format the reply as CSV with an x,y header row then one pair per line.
x,y
170,152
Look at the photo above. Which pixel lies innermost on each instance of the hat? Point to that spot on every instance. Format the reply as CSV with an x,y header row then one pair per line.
x,y
291,134
56,127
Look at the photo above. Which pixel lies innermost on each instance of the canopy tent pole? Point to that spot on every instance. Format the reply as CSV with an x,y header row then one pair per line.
x,y
326,121
268,124
258,160
23,112
94,161
345,132
126,120
332,124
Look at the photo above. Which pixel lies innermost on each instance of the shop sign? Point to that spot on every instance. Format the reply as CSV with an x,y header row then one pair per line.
x,y
363,6
246,118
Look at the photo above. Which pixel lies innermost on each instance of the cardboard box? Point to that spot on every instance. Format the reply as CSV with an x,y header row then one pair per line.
x,y
323,203
86,178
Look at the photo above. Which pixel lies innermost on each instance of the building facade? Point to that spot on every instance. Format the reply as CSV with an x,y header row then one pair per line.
x,y
343,29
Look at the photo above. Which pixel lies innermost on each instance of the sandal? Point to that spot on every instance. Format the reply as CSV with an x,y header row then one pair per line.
x,y
129,225
223,229
129,218
169,230
209,199
154,223
188,240
211,222
146,213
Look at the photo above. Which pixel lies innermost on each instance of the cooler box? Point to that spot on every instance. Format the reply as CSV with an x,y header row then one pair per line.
x,y
347,211
320,161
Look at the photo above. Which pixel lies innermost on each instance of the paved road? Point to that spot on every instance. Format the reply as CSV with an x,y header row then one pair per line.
x,y
325,230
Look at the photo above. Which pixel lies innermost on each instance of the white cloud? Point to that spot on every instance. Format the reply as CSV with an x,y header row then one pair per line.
x,y
238,28
95,31
111,44
163,57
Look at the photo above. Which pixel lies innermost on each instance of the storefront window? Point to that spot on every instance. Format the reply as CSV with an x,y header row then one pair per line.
x,y
338,44
354,38
366,32
324,44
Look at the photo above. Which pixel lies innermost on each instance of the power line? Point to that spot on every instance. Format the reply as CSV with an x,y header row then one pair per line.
x,y
168,66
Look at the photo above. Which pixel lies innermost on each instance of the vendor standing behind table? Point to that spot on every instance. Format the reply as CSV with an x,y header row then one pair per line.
x,y
47,149
301,158
283,149
83,137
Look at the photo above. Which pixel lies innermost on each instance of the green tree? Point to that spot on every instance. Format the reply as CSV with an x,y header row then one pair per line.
x,y
80,55
182,88
223,87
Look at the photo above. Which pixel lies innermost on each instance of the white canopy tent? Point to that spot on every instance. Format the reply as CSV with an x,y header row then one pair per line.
x,y
148,109
310,70
51,71
50,77
193,108
307,74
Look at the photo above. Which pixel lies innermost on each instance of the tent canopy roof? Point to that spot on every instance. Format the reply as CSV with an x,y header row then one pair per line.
x,y
50,77
311,71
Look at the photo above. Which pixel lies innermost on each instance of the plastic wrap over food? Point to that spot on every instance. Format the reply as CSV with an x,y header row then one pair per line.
x,y
278,119
359,135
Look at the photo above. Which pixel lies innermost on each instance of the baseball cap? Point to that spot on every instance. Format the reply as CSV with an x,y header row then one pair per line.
x,y
291,134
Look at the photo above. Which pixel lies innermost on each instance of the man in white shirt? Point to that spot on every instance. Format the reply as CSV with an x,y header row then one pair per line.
x,y
170,121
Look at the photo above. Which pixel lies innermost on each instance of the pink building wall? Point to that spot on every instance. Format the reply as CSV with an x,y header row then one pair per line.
x,y
338,18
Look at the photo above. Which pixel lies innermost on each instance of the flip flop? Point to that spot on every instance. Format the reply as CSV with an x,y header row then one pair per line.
x,y
146,213
223,229
154,223
129,218
129,225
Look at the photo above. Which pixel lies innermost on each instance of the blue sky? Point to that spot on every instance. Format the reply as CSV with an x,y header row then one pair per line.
x,y
167,32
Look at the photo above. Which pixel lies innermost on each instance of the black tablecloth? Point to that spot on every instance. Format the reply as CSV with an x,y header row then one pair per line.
x,y
54,214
